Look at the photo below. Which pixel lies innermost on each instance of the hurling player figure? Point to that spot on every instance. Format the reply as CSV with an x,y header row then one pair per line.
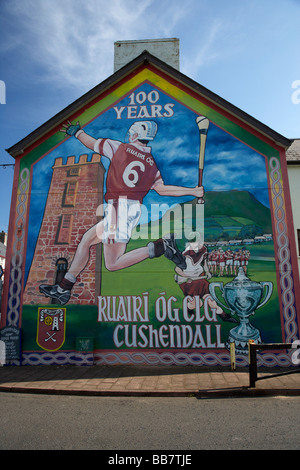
x,y
132,173
193,280
245,259
229,261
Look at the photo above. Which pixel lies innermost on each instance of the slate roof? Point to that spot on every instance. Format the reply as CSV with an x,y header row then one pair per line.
x,y
293,152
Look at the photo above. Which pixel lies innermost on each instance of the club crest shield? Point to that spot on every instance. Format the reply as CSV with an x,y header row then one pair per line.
x,y
51,328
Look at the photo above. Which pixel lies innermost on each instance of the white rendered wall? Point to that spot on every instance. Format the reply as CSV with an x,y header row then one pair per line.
x,y
166,50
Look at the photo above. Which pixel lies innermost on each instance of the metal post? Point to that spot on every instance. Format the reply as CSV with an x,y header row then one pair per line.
x,y
252,363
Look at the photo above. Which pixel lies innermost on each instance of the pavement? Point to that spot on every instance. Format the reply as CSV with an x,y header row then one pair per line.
x,y
159,381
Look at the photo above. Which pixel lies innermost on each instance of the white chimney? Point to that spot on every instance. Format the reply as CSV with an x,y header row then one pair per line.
x,y
166,50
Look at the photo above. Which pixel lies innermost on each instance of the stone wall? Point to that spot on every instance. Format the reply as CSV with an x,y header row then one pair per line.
x,y
75,193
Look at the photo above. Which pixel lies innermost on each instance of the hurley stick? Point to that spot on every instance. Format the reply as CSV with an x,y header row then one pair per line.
x,y
202,123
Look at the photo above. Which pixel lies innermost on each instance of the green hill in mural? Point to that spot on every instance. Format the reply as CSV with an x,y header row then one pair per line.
x,y
237,204
235,214
227,215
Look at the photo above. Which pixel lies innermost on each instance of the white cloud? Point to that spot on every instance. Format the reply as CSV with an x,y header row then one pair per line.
x,y
72,41
208,50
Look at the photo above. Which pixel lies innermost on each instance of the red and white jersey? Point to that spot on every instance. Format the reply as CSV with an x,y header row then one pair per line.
x,y
196,256
132,171
228,254
194,261
214,256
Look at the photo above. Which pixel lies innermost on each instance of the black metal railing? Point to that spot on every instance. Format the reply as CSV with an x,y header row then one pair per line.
x,y
253,360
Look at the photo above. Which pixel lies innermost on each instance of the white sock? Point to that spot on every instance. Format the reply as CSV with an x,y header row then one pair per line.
x,y
70,277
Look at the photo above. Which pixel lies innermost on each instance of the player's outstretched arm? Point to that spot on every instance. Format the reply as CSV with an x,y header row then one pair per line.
x,y
75,130
169,190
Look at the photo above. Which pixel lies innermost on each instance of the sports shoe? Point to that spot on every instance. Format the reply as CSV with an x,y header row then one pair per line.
x,y
52,291
171,251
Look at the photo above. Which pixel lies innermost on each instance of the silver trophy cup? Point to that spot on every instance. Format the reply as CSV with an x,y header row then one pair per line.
x,y
242,297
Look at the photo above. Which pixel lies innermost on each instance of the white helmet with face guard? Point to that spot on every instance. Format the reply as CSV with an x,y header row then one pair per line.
x,y
144,130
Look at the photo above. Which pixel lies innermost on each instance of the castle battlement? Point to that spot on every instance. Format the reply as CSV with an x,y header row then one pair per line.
x,y
83,160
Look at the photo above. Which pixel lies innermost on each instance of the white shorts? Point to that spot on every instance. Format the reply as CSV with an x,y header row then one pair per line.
x,y
120,218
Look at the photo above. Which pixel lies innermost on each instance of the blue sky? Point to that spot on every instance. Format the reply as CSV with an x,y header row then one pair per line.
x,y
52,52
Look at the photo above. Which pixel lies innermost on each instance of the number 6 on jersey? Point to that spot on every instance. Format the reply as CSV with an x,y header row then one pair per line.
x,y
131,176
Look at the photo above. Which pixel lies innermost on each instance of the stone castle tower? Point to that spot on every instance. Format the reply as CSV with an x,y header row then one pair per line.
x,y
75,193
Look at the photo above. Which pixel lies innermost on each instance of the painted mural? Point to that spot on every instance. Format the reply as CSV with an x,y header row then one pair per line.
x,y
152,236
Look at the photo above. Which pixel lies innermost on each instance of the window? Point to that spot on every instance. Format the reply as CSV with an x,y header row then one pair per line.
x,y
74,171
63,235
69,196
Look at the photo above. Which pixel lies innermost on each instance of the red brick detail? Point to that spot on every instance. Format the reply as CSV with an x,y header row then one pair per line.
x,y
54,241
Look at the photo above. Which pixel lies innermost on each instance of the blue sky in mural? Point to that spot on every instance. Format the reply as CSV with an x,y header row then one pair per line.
x,y
54,51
